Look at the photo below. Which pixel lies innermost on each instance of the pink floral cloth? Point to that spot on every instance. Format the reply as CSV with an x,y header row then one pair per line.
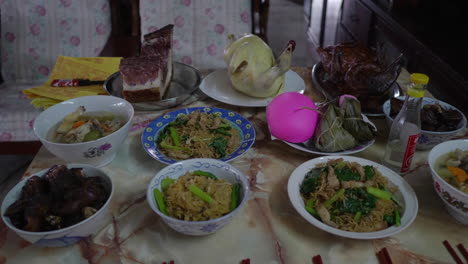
x,y
201,26
33,34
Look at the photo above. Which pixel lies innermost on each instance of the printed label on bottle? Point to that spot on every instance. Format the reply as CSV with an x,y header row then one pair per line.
x,y
409,153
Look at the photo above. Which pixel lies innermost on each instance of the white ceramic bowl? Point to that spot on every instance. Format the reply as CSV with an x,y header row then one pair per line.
x,y
68,235
455,200
406,195
222,170
429,139
97,152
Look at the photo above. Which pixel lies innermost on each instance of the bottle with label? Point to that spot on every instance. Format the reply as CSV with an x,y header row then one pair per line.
x,y
406,127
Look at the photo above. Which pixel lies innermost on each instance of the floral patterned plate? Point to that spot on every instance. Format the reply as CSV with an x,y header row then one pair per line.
x,y
148,138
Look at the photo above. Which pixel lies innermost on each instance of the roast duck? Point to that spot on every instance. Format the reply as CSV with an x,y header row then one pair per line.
x,y
351,68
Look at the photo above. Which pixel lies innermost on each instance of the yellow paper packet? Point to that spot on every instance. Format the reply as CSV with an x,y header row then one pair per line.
x,y
95,69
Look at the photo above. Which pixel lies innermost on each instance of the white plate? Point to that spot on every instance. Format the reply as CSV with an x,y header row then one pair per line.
x,y
406,195
309,146
218,86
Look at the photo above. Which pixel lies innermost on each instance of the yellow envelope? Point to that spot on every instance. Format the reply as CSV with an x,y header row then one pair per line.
x,y
95,69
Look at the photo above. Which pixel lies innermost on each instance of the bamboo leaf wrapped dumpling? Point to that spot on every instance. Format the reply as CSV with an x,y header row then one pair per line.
x,y
330,135
353,122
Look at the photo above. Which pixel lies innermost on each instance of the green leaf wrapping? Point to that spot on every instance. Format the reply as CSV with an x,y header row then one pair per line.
x,y
330,136
353,122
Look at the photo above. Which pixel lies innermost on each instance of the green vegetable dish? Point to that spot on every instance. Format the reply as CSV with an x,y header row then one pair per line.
x,y
197,196
350,197
198,135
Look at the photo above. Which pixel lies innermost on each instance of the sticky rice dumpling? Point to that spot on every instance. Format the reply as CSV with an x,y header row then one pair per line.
x,y
353,122
330,135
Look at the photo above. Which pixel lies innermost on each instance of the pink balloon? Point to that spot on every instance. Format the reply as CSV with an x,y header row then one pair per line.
x,y
288,120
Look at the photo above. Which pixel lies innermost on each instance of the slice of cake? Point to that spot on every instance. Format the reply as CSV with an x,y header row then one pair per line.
x,y
147,77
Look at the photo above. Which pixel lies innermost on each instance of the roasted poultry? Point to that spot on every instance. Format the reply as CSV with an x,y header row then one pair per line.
x,y
349,66
252,68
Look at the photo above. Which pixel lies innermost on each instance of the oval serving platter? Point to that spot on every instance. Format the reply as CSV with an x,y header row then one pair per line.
x,y
148,138
309,146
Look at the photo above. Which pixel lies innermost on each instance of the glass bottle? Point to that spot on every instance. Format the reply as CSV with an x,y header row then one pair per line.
x,y
406,127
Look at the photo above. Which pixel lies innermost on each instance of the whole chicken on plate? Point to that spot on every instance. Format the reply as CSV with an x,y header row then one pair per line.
x,y
252,68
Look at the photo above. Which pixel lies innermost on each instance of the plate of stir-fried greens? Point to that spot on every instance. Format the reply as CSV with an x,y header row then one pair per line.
x,y
198,132
352,197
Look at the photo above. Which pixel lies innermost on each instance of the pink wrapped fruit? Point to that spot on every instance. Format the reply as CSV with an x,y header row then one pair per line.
x,y
291,117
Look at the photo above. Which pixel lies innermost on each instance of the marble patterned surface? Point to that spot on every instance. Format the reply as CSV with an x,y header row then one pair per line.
x,y
267,230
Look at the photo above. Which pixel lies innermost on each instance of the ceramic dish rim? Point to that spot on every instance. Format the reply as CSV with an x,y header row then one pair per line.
x,y
410,194
155,208
68,228
219,71
50,109
433,171
250,141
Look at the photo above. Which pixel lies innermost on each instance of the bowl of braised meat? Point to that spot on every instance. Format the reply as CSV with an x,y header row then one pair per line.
x,y
352,68
58,206
439,121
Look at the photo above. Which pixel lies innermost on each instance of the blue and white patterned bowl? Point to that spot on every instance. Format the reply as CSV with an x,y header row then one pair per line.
x,y
148,138
222,170
69,235
429,139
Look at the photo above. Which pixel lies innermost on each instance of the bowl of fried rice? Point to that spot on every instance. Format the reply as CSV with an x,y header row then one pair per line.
x,y
198,196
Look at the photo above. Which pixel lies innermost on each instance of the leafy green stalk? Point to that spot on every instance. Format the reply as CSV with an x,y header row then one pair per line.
x,y
340,165
369,172
394,198
347,174
159,200
310,208
200,193
356,200
180,121
334,198
397,218
165,183
357,216
205,173
234,196
381,194
219,144
221,131
167,146
174,136
226,126
390,219
311,180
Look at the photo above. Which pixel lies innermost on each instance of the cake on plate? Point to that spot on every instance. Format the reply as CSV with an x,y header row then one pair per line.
x,y
147,77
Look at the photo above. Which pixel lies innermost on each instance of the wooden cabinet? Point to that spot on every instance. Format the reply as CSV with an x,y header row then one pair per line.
x,y
374,23
356,20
